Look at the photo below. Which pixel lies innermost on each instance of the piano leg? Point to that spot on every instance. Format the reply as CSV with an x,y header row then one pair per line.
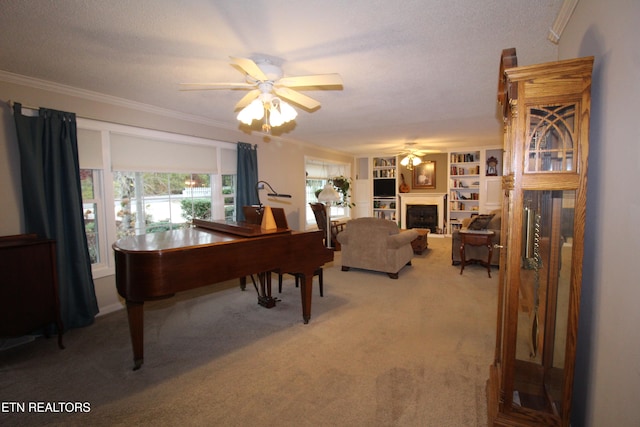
x,y
135,311
306,288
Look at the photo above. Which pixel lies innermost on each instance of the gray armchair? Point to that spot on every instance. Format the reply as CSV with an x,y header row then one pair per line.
x,y
376,244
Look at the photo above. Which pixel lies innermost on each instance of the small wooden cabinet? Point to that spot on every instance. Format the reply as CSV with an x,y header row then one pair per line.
x,y
29,286
546,122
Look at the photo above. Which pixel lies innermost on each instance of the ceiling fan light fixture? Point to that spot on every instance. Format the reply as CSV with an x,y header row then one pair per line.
x,y
274,111
410,161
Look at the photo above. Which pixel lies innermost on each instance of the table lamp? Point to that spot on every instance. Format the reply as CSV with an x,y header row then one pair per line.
x,y
326,196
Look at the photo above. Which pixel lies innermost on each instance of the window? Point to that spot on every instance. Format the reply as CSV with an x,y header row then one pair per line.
x,y
229,196
149,202
134,182
93,196
319,172
92,208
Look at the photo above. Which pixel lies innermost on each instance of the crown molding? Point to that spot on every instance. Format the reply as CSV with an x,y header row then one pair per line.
x,y
88,95
18,79
556,30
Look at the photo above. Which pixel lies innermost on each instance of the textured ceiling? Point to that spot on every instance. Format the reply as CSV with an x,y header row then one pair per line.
x,y
423,71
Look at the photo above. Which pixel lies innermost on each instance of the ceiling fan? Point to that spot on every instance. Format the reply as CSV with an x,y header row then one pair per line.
x,y
266,84
411,156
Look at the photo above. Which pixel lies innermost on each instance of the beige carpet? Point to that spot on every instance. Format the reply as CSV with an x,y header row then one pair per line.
x,y
377,352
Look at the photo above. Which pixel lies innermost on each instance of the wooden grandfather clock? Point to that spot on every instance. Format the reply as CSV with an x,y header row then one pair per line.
x,y
546,140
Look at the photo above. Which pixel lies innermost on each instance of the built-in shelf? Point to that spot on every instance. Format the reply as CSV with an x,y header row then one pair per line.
x,y
472,184
385,197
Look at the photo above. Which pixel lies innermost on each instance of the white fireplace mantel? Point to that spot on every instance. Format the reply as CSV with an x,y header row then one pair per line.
x,y
422,199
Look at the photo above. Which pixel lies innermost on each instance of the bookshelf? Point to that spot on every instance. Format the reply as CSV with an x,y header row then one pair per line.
x,y
464,186
474,185
385,195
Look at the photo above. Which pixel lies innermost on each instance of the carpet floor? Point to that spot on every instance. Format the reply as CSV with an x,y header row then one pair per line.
x,y
377,352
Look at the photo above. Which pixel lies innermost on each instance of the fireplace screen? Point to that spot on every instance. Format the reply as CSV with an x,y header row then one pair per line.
x,y
423,216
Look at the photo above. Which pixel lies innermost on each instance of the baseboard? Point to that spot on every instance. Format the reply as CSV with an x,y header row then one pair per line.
x,y
110,309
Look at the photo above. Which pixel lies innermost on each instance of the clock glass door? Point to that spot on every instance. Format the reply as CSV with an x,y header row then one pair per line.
x,y
544,295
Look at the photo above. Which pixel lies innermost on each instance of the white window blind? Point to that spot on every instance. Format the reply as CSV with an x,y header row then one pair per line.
x,y
135,153
228,161
324,169
89,149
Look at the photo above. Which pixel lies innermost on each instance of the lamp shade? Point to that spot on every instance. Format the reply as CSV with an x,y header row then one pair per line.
x,y
275,118
288,112
253,111
268,220
329,194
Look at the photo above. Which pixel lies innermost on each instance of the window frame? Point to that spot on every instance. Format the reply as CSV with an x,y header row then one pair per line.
x,y
98,214
325,169
108,230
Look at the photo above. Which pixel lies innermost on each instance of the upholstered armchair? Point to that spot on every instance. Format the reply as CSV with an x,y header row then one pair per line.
x,y
478,252
376,244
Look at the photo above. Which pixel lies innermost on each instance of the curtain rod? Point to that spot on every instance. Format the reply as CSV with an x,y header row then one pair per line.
x,y
12,103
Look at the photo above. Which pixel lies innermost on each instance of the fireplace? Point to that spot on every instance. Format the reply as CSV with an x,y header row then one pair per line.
x,y
422,216
432,201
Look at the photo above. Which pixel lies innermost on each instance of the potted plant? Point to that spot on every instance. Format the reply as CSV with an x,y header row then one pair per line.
x,y
343,184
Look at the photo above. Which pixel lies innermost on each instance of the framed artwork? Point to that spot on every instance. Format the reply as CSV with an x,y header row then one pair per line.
x,y
424,175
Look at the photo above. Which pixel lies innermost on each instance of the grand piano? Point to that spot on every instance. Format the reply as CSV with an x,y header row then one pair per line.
x,y
158,265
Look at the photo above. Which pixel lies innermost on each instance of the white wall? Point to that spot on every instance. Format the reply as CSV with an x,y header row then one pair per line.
x,y
607,384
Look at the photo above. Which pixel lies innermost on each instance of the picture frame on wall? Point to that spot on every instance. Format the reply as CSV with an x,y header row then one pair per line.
x,y
424,175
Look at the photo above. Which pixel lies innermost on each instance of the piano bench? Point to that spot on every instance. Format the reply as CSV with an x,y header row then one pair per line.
x,y
297,276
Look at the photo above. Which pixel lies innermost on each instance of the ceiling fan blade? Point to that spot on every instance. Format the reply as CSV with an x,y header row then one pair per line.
x,y
250,67
214,86
246,100
313,80
297,98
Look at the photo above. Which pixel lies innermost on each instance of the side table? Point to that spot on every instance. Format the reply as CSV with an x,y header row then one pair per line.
x,y
476,238
419,244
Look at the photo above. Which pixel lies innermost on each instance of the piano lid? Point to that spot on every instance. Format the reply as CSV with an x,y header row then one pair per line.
x,y
238,228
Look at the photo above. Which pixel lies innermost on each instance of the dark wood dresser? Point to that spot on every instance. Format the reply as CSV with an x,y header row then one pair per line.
x,y
28,285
